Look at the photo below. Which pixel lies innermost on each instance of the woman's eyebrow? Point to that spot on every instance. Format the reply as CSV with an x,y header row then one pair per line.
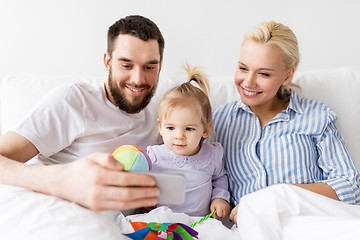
x,y
265,68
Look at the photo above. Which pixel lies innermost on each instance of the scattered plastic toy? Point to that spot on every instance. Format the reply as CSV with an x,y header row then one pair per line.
x,y
202,219
173,231
152,231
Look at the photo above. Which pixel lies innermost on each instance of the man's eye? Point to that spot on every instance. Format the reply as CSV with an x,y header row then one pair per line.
x,y
149,67
126,66
190,129
242,68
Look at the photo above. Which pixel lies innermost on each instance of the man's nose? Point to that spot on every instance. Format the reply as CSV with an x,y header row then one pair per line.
x,y
138,76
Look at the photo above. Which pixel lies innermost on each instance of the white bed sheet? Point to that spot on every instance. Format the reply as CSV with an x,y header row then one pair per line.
x,y
277,212
208,229
289,212
33,216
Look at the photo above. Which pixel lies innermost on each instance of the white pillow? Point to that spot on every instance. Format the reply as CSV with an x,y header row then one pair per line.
x,y
19,94
336,87
222,90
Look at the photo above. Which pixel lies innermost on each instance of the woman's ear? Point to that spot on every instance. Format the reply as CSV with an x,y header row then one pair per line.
x,y
289,75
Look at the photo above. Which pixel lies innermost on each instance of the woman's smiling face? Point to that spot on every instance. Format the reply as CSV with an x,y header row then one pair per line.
x,y
261,72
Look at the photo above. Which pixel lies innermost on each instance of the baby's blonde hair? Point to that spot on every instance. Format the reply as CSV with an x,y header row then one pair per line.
x,y
282,36
186,95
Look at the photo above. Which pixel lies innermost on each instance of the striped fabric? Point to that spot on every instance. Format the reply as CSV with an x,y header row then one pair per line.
x,y
299,145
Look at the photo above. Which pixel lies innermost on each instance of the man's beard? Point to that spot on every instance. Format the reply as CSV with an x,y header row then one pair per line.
x,y
121,101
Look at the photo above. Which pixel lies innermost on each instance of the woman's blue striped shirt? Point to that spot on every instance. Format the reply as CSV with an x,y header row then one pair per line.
x,y
299,145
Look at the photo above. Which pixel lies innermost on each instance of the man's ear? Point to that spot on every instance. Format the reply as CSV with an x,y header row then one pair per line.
x,y
289,75
160,66
107,59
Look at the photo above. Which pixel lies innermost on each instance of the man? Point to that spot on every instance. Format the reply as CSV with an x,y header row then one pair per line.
x,y
79,119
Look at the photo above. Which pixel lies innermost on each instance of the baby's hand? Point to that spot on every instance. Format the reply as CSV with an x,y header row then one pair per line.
x,y
221,206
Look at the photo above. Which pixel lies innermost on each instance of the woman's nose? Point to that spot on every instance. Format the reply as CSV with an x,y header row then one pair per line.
x,y
249,80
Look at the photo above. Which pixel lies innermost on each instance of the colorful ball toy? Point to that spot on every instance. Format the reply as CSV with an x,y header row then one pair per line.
x,y
133,158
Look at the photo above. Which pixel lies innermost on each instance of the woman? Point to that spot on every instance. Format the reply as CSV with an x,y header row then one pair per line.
x,y
274,136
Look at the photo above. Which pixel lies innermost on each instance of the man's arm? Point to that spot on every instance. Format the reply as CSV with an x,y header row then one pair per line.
x,y
96,181
17,147
14,147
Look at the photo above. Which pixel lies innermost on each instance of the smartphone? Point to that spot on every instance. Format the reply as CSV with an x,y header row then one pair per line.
x,y
172,187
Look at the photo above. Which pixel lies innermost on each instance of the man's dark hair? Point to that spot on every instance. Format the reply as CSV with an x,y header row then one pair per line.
x,y
137,26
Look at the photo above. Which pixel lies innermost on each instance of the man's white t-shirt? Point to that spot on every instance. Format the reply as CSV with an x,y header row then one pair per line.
x,y
75,120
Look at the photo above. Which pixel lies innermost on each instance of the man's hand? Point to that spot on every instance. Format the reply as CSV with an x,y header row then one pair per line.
x,y
98,182
221,206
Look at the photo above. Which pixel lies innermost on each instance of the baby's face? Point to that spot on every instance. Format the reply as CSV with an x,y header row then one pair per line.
x,y
182,130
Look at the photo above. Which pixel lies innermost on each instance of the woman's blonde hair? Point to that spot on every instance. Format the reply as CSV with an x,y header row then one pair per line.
x,y
282,36
186,95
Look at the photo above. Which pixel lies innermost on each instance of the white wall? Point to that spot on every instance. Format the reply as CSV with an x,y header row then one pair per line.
x,y
68,37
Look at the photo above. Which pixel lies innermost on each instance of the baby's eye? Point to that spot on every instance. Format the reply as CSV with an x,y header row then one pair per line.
x,y
190,129
170,128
